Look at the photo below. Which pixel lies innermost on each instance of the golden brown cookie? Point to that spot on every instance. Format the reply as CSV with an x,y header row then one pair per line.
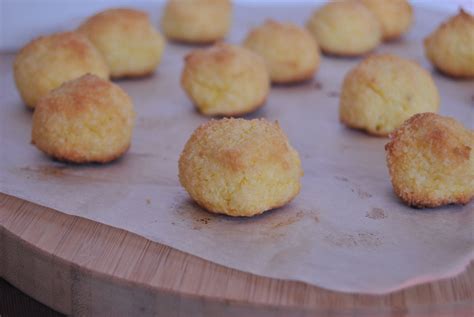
x,y
240,167
345,28
395,16
128,41
225,80
451,47
48,61
431,161
383,91
198,21
85,120
290,52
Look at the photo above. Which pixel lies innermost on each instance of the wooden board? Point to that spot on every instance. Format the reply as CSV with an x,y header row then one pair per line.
x,y
80,267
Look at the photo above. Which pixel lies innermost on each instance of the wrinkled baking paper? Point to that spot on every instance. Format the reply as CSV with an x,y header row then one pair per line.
x,y
346,230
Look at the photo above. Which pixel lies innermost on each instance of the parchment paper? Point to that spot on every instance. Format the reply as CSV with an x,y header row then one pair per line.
x,y
346,230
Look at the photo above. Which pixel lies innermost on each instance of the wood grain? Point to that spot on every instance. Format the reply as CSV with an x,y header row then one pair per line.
x,y
81,267
15,303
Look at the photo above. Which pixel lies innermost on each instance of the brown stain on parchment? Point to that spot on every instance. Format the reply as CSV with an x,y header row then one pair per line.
x,y
200,222
341,178
273,230
355,187
315,216
290,220
44,171
361,193
376,213
194,216
272,234
300,215
364,239
317,85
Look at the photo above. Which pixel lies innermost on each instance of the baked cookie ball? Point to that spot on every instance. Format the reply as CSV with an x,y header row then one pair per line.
x,y
431,161
85,120
345,28
290,52
395,16
383,91
451,47
126,38
198,21
240,167
48,61
225,80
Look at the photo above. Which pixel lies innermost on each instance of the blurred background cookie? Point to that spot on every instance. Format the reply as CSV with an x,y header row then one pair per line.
x,y
394,16
240,167
290,52
451,46
128,41
85,120
225,80
345,28
198,21
381,92
48,61
431,161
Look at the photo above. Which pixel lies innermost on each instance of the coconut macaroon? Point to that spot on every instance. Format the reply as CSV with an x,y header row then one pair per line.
x,y
290,52
381,92
198,21
451,47
84,120
240,167
225,80
431,161
345,28
395,16
126,38
48,61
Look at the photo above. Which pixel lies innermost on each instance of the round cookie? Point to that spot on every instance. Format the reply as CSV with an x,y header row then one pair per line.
x,y
85,120
395,16
199,21
240,167
225,80
381,92
345,28
431,161
126,38
451,47
290,52
48,61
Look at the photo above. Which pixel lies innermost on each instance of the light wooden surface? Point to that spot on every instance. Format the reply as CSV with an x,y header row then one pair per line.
x,y
80,267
